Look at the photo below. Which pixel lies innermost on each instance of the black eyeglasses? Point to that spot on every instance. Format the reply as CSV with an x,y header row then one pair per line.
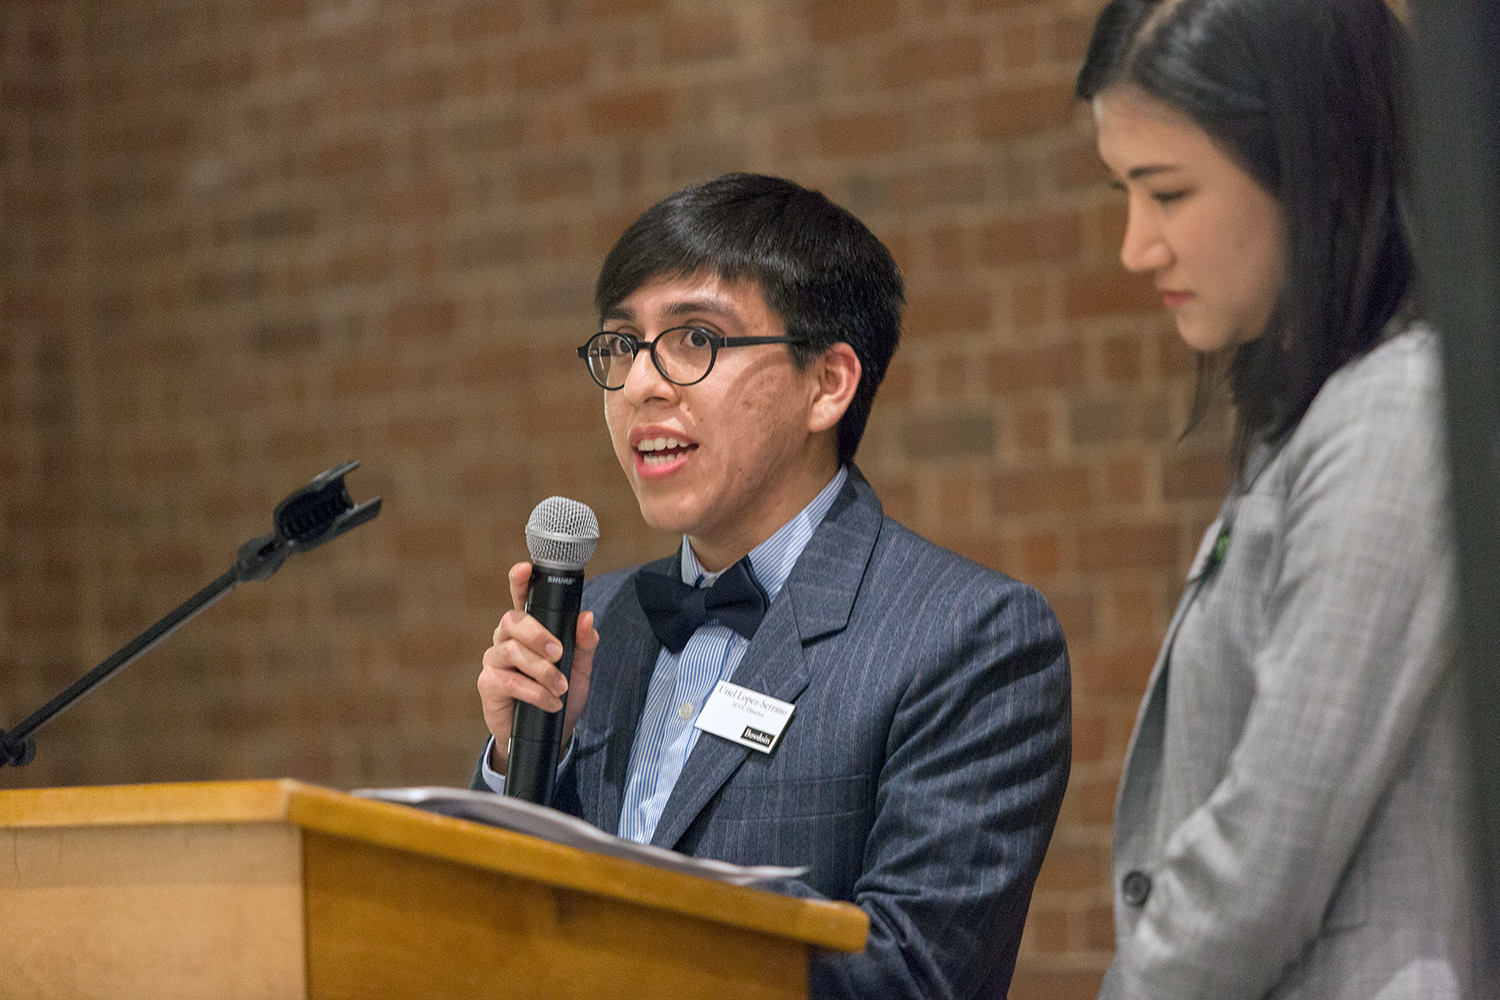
x,y
684,354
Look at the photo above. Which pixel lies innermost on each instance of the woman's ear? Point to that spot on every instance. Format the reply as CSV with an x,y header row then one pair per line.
x,y
836,374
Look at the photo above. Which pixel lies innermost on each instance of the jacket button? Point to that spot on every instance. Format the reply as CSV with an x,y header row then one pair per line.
x,y
1135,887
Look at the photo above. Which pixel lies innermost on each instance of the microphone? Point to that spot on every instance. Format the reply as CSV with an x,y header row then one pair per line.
x,y
561,535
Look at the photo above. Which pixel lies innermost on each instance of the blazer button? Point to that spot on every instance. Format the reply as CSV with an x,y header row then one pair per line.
x,y
1135,887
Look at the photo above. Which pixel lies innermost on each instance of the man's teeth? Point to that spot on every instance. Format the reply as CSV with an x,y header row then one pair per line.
x,y
660,444
654,450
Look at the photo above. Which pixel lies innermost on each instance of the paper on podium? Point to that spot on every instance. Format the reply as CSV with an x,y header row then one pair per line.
x,y
560,828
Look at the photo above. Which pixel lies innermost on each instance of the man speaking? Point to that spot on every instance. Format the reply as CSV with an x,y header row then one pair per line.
x,y
916,704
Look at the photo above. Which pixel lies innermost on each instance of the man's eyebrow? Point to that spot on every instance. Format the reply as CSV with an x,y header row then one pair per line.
x,y
684,308
688,306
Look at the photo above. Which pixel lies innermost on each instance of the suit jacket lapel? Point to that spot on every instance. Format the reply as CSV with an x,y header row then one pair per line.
x,y
816,600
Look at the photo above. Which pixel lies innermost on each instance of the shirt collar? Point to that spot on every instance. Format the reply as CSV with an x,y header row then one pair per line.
x,y
774,558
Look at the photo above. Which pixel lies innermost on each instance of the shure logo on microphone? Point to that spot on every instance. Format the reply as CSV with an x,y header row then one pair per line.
x,y
558,579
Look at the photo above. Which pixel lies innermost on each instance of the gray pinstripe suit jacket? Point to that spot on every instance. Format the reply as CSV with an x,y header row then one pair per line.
x,y
920,775
1290,808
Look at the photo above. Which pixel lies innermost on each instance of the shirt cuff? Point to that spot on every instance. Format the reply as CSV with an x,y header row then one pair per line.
x,y
496,781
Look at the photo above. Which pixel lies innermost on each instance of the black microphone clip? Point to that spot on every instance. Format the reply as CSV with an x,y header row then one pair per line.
x,y
307,518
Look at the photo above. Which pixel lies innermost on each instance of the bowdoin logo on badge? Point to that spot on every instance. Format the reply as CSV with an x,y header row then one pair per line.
x,y
746,717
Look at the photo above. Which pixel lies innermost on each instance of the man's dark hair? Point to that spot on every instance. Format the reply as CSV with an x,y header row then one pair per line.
x,y
819,268
1306,96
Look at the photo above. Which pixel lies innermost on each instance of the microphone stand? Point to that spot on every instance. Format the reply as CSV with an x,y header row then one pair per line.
x,y
307,518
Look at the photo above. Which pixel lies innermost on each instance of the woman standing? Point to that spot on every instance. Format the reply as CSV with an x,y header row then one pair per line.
x,y
1290,820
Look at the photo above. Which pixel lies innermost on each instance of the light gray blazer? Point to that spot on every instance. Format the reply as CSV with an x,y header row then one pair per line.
x,y
1289,818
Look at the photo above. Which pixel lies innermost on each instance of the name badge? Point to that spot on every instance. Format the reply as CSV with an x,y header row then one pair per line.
x,y
746,717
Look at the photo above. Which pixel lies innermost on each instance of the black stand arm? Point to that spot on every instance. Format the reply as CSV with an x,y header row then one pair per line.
x,y
317,512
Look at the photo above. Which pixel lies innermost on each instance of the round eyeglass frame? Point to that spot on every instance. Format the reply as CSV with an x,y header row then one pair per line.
x,y
716,343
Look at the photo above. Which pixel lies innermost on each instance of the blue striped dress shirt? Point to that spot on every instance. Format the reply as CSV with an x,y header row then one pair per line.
x,y
681,682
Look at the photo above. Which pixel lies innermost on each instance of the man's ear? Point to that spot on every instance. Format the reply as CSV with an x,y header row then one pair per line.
x,y
837,374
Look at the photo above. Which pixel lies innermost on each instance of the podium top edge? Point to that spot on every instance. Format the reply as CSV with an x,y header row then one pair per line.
x,y
138,805
835,925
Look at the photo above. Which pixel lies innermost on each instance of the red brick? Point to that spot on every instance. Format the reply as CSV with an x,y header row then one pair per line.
x,y
551,180
949,435
1128,547
422,319
1124,358
350,155
1039,489
354,265
1046,932
1048,984
1099,928
1111,420
630,112
1109,292
1032,427
552,63
1125,482
429,541
1174,356
864,134
434,649
419,200
897,385
604,9
688,38
1041,554
1095,800
1122,672
1090,737
1047,366
1077,613
1069,868
939,58
958,496
1015,112
943,184
425,434
946,313
987,6
839,20
899,501
479,18
1030,304
1070,38
1020,44
418,88
1195,477
1027,240
1133,608
1076,166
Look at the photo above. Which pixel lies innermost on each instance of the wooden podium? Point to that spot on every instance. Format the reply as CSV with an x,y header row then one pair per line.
x,y
272,889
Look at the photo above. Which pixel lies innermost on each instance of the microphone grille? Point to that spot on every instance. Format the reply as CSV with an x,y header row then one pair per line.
x,y
562,533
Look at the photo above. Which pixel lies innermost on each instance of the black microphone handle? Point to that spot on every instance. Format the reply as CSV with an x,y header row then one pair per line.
x,y
552,598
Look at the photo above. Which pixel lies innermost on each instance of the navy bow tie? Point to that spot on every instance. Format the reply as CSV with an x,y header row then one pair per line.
x,y
676,610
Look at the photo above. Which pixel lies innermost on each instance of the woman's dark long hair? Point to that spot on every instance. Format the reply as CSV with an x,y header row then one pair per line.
x,y
1306,96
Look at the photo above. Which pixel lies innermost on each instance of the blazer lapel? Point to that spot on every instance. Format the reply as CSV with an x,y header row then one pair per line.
x,y
816,600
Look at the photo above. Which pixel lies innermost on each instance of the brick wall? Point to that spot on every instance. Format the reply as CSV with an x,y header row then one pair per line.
x,y
243,241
